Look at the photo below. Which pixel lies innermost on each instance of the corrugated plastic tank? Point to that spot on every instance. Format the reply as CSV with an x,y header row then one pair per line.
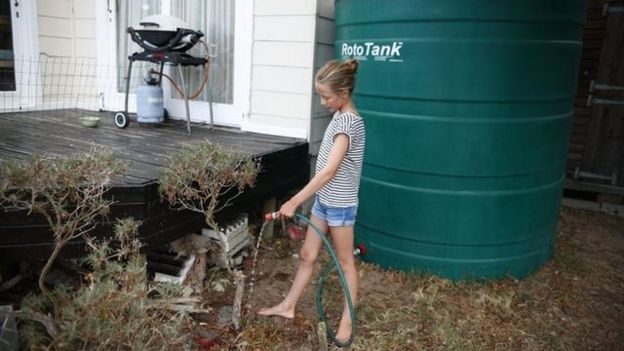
x,y
468,107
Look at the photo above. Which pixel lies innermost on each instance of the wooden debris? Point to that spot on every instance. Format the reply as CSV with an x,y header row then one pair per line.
x,y
239,279
321,332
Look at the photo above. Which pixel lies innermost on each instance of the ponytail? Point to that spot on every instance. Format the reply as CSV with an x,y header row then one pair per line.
x,y
353,65
338,75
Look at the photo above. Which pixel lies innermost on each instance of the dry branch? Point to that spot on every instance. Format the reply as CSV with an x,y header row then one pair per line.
x,y
205,178
67,192
239,279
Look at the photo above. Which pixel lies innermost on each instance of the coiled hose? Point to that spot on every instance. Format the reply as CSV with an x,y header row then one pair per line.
x,y
334,263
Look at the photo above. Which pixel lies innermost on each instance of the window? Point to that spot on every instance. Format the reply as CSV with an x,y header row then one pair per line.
x,y
129,14
215,18
7,62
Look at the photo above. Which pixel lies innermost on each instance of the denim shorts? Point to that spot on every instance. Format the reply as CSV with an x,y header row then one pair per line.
x,y
335,216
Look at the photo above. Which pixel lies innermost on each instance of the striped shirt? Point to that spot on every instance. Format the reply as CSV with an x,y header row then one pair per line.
x,y
342,189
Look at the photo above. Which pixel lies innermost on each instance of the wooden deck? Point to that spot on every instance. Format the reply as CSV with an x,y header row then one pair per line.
x,y
284,163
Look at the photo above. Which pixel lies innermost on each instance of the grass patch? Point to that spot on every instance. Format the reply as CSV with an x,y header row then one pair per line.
x,y
393,329
570,262
259,333
556,308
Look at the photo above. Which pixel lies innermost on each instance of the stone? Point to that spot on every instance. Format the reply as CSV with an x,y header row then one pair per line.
x,y
225,316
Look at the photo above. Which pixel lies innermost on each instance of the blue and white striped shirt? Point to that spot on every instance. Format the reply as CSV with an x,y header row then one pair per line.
x,y
342,189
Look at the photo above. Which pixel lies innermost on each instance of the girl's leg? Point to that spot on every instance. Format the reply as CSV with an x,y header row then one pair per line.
x,y
307,257
342,237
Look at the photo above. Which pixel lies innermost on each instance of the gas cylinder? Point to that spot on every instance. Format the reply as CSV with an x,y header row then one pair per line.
x,y
150,102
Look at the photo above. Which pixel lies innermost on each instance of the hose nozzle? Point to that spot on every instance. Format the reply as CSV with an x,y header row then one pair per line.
x,y
271,216
360,250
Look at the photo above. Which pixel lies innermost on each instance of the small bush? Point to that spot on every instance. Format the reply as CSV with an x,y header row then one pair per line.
x,y
113,311
206,177
67,192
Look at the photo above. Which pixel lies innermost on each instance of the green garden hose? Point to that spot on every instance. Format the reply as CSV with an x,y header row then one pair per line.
x,y
319,291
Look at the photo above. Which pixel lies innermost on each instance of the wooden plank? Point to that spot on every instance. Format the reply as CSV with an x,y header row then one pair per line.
x,y
156,231
284,163
592,46
577,139
575,159
593,187
593,36
603,152
581,113
581,118
142,145
575,148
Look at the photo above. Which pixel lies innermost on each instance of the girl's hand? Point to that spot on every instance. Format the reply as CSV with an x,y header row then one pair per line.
x,y
288,209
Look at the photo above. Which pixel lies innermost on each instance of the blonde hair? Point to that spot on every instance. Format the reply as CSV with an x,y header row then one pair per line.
x,y
338,75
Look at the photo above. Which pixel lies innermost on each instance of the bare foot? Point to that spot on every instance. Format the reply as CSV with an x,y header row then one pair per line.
x,y
277,310
344,331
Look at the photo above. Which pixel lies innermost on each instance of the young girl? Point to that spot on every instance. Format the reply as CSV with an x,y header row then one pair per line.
x,y
335,184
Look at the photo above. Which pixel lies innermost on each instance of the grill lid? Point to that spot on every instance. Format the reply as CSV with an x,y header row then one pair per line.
x,y
162,23
164,33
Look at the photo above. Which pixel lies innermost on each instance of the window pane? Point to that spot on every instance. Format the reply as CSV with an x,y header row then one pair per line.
x,y
7,65
129,14
215,18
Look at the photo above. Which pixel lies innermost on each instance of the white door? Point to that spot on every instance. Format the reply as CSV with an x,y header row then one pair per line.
x,y
18,55
227,27
114,46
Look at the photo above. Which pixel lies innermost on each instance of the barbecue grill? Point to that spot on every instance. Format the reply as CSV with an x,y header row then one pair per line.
x,y
164,39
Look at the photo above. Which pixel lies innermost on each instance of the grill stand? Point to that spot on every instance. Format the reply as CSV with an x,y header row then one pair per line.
x,y
177,59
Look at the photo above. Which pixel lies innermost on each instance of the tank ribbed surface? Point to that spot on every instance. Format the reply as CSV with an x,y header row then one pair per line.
x,y
468,108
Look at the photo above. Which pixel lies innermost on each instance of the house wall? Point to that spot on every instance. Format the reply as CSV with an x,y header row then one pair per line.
x,y
597,136
282,67
323,52
67,46
66,28
593,37
291,40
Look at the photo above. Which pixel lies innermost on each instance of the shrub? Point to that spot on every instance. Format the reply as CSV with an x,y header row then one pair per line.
x,y
67,192
206,177
112,311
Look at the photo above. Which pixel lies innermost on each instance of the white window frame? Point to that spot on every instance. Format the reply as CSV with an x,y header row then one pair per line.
x,y
26,55
224,114
106,47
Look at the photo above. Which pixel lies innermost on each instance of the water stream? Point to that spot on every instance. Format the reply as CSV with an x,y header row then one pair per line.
x,y
252,278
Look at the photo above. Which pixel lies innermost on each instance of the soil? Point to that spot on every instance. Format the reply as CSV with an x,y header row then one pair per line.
x,y
574,302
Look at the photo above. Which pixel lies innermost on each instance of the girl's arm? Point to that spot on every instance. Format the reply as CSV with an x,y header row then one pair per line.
x,y
337,153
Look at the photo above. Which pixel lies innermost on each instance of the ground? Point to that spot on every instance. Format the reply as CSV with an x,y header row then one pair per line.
x,y
574,302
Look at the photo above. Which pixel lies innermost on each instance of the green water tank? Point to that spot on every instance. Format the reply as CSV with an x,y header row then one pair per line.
x,y
468,108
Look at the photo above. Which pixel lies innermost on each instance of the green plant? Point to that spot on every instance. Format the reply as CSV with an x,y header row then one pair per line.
x,y
206,177
114,310
67,192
